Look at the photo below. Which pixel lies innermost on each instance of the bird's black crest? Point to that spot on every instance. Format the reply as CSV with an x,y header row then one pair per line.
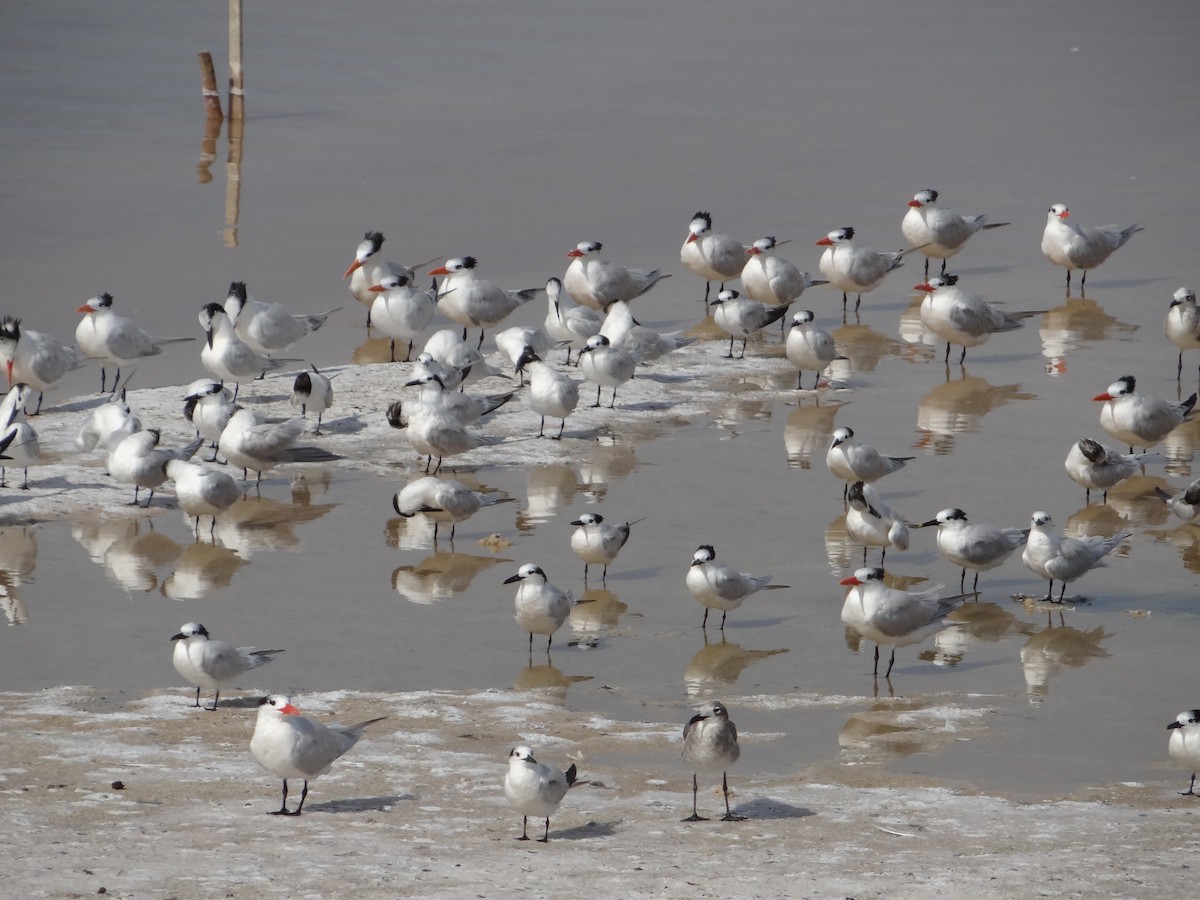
x,y
105,299
468,262
705,216
849,232
375,237
238,289
10,328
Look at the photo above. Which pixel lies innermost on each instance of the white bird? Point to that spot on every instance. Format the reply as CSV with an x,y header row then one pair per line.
x,y
892,616
937,232
1095,467
19,445
289,745
441,500
369,269
853,269
718,586
974,546
512,342
138,460
254,445
535,789
605,365
435,398
541,607
110,417
742,317
959,317
268,327
710,744
225,354
114,340
213,664
1185,504
714,257
202,491
401,310
313,390
433,432
769,279
809,348
596,282
1184,744
566,321
209,406
644,344
851,460
596,542
551,393
1078,247
34,358
448,348
1057,558
475,302
1182,325
1138,420
872,523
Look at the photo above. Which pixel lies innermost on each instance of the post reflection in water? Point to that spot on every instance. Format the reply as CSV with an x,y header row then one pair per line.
x,y
1066,328
719,664
440,576
18,557
957,406
1055,646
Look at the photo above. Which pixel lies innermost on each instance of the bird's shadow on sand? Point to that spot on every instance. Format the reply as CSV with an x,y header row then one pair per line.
x,y
360,804
590,830
766,808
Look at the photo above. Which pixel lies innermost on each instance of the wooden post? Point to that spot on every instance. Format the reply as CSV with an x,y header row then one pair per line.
x,y
236,83
237,121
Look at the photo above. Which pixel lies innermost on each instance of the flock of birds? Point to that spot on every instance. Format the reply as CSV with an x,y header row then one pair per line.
x,y
589,315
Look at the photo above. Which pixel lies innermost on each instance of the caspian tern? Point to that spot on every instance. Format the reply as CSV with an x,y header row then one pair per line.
x,y
596,282
741,317
809,348
1095,467
596,542
202,491
605,365
888,615
401,310
1185,504
1138,420
872,523
1184,744
1077,247
959,317
853,269
289,745
213,664
566,321
138,460
541,607
268,327
114,340
34,358
851,460
714,257
1057,558
312,390
441,500
710,744
475,302
718,586
937,232
369,269
644,344
535,789
551,393
974,546
1182,325
769,279
225,354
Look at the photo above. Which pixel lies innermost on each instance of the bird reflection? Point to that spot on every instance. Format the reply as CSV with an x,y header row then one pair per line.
x,y
742,399
598,610
1186,539
1135,502
864,346
18,556
1055,646
257,523
717,665
133,560
957,406
1067,327
1180,446
877,733
808,433
977,623
201,569
548,679
372,350
914,333
440,576
603,464
839,548
1102,520
548,490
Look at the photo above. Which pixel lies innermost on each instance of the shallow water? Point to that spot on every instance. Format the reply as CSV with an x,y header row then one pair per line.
x,y
511,135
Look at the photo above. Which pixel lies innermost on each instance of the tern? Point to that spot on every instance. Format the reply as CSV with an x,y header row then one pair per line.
x,y
1182,325
644,344
475,302
973,545
34,358
19,445
312,390
551,393
596,282
369,268
401,311
438,432
209,406
512,342
712,256
851,460
289,745
566,321
541,607
1184,744
225,354
596,542
268,327
138,460
112,416
1095,467
606,365
1077,247
435,397
710,744
254,445
535,789
114,340
448,348
1138,420
718,586
938,232
213,664
853,269
441,500
742,317
872,523
1185,504
808,348
202,491
888,615
1057,558
769,279
959,317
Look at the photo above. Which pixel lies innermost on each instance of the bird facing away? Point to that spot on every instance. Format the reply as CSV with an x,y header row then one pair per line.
x,y
718,586
872,523
541,607
1182,325
710,744
1184,744
313,390
938,232
567,322
202,490
1185,504
973,545
1095,467
597,542
1079,247
289,745
213,664
1057,558
535,789
551,393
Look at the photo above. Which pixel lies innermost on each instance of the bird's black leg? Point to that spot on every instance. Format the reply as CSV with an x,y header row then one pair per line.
x,y
728,817
545,838
524,829
695,816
